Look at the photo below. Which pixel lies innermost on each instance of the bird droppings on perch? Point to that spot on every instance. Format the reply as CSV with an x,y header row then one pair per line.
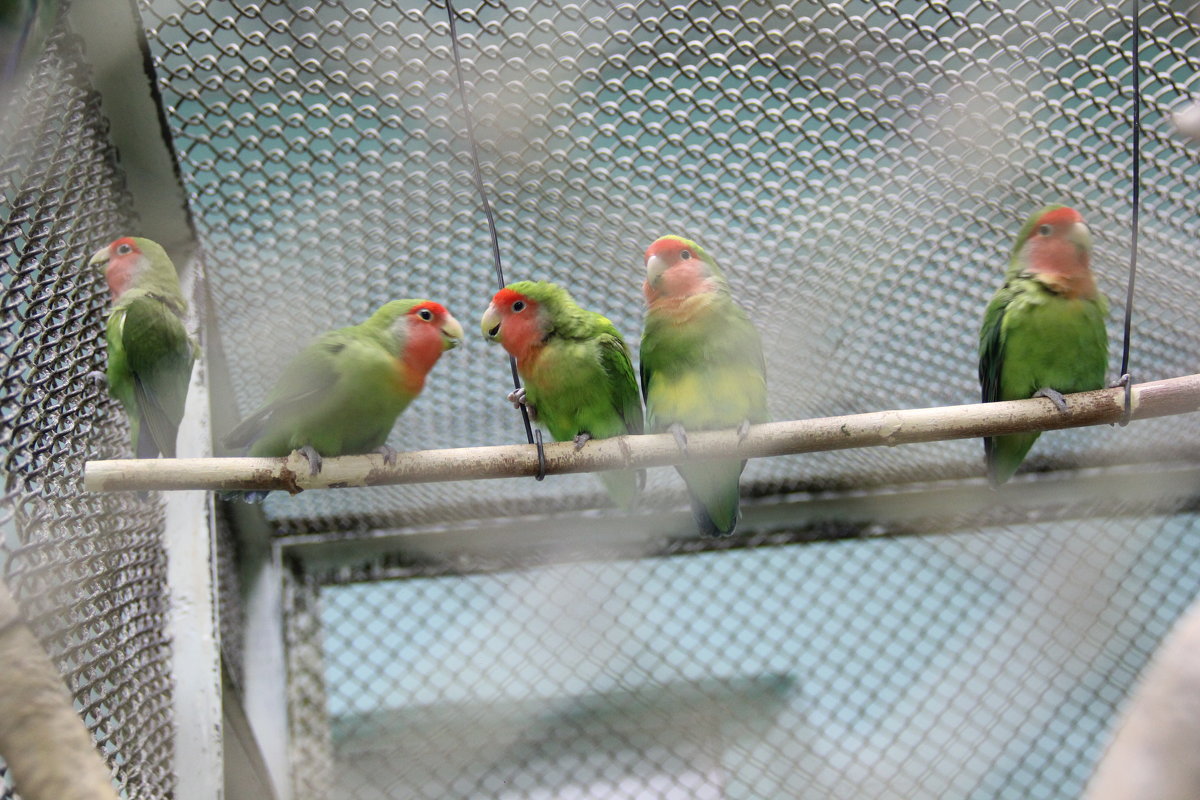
x,y
1154,399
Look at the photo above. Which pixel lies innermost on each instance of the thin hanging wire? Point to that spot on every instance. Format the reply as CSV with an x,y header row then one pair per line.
x,y
1137,208
535,437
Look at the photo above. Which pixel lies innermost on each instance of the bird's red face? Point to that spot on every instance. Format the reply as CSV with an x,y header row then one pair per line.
x,y
122,259
1058,251
429,331
674,270
515,321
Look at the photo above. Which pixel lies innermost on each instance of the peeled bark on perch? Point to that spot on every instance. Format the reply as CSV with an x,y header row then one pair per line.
x,y
47,747
1154,399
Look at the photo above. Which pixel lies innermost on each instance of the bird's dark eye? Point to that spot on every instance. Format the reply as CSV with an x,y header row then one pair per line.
x,y
685,255
425,314
1044,230
124,249
519,306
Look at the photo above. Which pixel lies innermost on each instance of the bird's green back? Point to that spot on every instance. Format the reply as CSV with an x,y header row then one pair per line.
x,y
1032,339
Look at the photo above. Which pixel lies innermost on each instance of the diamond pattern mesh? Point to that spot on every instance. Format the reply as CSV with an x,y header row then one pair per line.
x,y
859,170
982,664
88,571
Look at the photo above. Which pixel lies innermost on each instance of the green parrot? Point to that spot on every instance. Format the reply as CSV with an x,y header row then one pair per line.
x,y
578,373
1043,333
149,353
702,369
341,395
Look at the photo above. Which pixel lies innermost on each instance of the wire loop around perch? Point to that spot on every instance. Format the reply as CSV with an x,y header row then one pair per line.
x,y
1105,406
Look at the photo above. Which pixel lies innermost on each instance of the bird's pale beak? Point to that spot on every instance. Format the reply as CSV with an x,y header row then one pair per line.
x,y
655,267
490,324
99,257
452,333
1081,236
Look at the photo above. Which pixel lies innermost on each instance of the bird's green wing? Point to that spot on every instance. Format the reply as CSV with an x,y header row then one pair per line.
x,y
615,358
305,382
158,354
991,344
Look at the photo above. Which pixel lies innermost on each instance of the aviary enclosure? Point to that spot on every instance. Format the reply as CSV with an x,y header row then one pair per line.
x,y
882,624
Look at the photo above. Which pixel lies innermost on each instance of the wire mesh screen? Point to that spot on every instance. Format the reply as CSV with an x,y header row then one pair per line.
x,y
858,169
88,570
982,664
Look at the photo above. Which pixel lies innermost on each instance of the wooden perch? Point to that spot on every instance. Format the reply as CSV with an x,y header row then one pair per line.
x,y
1155,399
48,750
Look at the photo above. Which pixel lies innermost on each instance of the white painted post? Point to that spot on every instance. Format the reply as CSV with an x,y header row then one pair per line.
x,y
190,541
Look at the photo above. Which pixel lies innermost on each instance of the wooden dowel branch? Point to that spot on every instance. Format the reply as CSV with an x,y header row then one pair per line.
x,y
880,428
48,750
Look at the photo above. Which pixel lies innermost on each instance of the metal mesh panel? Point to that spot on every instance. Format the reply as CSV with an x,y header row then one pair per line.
x,y
983,664
858,171
87,570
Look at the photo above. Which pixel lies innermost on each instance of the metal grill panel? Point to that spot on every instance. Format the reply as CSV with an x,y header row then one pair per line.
x,y
981,664
88,571
858,169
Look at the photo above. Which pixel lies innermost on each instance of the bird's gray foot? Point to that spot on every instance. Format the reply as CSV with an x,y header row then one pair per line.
x,y
581,439
1054,396
388,452
98,379
314,459
1121,382
743,430
517,398
677,430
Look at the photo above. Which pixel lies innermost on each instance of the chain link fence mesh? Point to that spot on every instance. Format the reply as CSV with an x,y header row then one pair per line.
x,y
858,169
981,664
89,571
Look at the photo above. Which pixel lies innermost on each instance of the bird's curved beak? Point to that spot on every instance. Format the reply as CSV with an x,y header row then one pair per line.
x,y
655,267
99,257
452,333
1081,236
490,324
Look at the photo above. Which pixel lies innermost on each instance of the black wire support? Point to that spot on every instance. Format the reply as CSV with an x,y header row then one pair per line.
x,y
451,15
1135,215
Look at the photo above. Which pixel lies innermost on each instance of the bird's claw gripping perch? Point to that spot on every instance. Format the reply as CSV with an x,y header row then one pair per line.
x,y
680,434
743,430
581,439
314,459
389,454
1054,396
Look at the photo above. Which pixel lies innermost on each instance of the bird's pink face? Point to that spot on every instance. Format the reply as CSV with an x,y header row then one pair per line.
x,y
429,331
515,321
123,259
1059,250
674,270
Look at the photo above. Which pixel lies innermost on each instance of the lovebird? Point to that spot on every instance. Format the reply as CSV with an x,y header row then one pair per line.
x,y
578,374
702,368
150,355
342,393
1043,333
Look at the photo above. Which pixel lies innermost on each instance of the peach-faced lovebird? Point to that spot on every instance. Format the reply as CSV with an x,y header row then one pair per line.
x,y
149,353
702,368
342,393
578,374
1043,333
